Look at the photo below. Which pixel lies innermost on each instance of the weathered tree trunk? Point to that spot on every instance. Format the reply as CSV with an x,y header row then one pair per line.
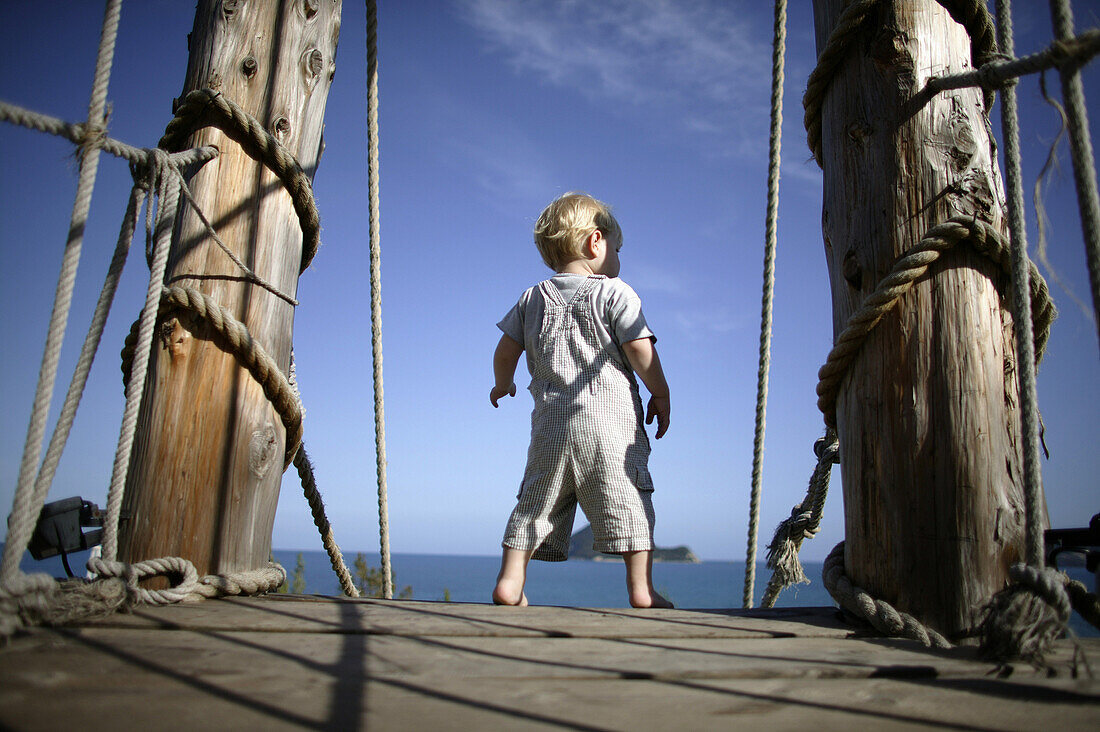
x,y
207,464
927,416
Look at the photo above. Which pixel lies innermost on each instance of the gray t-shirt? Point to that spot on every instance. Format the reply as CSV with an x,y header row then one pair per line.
x,y
615,305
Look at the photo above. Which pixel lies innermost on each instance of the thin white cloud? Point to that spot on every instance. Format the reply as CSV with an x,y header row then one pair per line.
x,y
477,137
646,278
697,325
697,61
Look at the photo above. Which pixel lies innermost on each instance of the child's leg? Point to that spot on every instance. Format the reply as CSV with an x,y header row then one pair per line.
x,y
639,580
513,575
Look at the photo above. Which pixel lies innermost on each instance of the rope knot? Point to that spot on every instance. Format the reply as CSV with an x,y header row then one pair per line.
x,y
90,136
174,568
1061,52
1023,620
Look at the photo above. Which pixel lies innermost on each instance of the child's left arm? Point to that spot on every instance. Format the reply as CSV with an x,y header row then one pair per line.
x,y
643,358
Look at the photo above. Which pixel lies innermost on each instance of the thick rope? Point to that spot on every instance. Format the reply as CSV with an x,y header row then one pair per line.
x,y
1080,145
803,523
234,337
908,269
1021,305
996,74
1084,602
88,351
24,513
189,586
320,520
38,599
881,615
779,45
168,200
206,107
376,298
76,133
1023,620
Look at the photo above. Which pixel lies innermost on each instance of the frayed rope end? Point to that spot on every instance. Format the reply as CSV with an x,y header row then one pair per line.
x,y
1022,621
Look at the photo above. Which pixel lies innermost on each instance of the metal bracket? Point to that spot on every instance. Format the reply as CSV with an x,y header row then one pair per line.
x,y
1080,541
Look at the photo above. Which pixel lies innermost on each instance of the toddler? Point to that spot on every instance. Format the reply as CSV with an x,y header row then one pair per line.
x,y
585,338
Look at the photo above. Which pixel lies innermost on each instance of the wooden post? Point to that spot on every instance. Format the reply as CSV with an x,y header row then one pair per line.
x,y
208,460
927,417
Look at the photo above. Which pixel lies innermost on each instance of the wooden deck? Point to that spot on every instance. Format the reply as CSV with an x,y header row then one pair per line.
x,y
285,661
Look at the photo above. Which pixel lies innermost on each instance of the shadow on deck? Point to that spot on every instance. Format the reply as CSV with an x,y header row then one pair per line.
x,y
307,662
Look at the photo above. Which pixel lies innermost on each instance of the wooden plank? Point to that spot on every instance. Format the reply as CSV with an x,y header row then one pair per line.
x,y
332,615
104,678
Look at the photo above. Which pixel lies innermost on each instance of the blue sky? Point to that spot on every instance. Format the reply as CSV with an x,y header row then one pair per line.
x,y
489,109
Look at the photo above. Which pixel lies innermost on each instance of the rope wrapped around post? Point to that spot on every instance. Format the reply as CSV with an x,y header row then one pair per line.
x,y
209,108
878,613
189,586
234,337
972,14
910,267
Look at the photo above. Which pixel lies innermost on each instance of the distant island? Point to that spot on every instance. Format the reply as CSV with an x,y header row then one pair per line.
x,y
580,547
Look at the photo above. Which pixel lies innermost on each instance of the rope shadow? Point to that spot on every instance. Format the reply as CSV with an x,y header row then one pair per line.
x,y
348,702
195,683
725,613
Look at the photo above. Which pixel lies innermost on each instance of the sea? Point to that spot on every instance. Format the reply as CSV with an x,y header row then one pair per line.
x,y
575,583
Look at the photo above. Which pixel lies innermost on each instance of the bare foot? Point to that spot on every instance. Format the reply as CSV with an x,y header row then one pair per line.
x,y
506,593
648,599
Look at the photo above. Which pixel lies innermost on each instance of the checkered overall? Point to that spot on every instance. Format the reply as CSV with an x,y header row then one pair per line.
x,y
588,445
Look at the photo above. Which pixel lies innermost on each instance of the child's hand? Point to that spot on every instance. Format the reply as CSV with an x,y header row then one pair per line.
x,y
497,392
659,407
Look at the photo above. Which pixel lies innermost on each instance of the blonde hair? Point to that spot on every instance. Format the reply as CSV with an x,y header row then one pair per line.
x,y
565,225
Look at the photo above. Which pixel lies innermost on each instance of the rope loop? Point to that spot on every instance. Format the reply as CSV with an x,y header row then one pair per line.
x,y
209,108
176,569
878,613
1023,620
972,14
188,586
910,267
233,336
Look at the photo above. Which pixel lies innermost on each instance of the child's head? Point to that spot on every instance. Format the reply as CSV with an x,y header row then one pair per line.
x,y
566,224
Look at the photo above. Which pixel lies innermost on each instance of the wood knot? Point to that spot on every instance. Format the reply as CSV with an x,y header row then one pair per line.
x,y
310,8
230,8
891,55
263,449
852,270
963,145
313,62
281,128
174,338
249,66
890,50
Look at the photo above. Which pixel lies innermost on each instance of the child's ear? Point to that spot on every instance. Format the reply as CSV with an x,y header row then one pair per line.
x,y
593,242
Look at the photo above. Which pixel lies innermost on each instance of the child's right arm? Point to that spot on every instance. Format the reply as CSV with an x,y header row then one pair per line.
x,y
505,361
